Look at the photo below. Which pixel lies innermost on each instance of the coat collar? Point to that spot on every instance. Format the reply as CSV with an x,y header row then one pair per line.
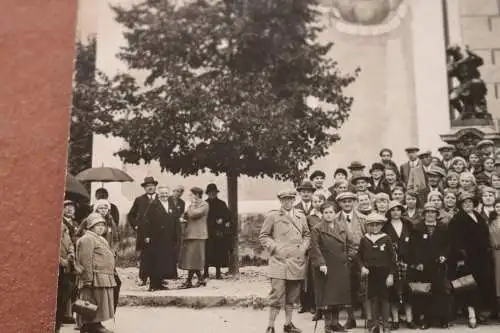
x,y
336,232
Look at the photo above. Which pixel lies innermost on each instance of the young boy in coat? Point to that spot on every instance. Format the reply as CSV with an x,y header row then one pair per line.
x,y
377,259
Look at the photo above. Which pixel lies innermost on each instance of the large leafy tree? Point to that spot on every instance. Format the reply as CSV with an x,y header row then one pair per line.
x,y
234,87
83,110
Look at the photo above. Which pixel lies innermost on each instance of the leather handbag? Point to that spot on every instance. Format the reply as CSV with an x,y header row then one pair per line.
x,y
420,287
466,282
84,308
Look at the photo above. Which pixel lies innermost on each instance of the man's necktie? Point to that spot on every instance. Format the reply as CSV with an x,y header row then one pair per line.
x,y
348,218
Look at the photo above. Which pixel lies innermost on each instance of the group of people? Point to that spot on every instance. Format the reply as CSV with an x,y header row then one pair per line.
x,y
419,242
170,234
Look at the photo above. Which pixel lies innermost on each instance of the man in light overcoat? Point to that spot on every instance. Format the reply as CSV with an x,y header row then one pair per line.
x,y
285,235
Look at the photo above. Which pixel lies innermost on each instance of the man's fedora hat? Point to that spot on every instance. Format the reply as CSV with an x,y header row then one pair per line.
x,y
149,181
356,165
484,143
287,194
306,186
345,196
377,166
446,147
412,149
425,153
212,188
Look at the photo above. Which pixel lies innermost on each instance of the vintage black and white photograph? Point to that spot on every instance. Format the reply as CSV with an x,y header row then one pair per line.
x,y
283,166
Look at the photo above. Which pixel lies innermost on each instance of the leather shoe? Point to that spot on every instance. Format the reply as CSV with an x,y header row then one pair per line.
x,y
411,325
338,328
290,328
270,330
394,326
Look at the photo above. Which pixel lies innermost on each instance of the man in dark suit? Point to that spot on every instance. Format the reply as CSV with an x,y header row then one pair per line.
x,y
137,217
306,190
446,152
377,178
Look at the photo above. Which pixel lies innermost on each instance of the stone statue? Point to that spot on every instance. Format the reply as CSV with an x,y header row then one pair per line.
x,y
468,97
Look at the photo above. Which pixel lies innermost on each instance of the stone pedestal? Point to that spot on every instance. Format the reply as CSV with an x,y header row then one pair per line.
x,y
465,138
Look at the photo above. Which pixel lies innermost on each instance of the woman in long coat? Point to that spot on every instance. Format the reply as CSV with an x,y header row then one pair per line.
x,y
96,281
471,248
219,244
494,226
194,238
331,250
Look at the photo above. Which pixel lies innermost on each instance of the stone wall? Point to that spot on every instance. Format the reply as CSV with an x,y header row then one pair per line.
x,y
480,28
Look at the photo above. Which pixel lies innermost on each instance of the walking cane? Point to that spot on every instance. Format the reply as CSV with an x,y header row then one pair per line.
x,y
365,288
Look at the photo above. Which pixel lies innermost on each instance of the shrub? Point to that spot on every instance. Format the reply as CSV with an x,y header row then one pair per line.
x,y
251,251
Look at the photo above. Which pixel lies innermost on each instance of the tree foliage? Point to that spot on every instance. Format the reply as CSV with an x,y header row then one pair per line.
x,y
228,87
82,111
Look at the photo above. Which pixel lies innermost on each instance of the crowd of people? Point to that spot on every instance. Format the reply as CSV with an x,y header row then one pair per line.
x,y
169,234
416,244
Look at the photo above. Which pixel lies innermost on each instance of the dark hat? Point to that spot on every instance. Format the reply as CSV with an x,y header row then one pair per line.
x,y
341,170
483,179
356,165
148,181
429,207
317,173
412,149
360,176
211,188
306,186
394,204
377,166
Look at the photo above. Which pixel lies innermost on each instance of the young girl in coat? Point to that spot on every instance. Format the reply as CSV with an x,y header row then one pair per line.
x,y
377,259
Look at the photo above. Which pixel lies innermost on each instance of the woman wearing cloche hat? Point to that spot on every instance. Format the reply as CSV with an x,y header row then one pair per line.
x,y
399,230
430,245
470,248
96,281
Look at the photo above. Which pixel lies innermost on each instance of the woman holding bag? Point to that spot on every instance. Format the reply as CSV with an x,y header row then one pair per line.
x,y
96,282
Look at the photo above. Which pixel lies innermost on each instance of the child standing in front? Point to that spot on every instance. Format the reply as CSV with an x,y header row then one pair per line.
x,y
377,260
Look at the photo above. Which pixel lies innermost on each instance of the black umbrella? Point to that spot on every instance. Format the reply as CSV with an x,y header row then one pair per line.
x,y
74,187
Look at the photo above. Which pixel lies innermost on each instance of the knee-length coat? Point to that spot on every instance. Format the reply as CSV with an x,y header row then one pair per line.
x,y
219,244
331,246
286,238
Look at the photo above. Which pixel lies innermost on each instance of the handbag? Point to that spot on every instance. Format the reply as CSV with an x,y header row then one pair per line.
x,y
84,308
466,282
420,287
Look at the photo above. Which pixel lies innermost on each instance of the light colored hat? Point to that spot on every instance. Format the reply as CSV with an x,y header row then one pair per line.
x,y
346,195
483,143
458,158
428,207
287,194
412,149
374,218
381,196
435,170
179,188
101,202
446,147
360,176
488,189
394,204
93,219
68,202
467,196
425,153
434,194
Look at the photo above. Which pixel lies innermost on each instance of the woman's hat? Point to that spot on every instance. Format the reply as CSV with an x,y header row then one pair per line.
x,y
377,166
317,173
428,207
458,158
484,143
356,165
102,202
69,203
385,150
437,171
93,219
340,170
374,218
212,188
306,186
483,179
149,181
346,195
467,196
488,189
393,204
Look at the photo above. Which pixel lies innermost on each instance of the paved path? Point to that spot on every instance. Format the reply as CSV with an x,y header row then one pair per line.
x,y
223,320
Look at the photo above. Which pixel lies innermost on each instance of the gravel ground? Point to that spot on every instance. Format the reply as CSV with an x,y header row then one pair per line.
x,y
223,320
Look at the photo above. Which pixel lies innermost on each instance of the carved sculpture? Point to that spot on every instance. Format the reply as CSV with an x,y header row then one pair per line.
x,y
468,96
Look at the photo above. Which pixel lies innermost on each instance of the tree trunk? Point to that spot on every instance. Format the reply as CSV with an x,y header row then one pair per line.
x,y
232,198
